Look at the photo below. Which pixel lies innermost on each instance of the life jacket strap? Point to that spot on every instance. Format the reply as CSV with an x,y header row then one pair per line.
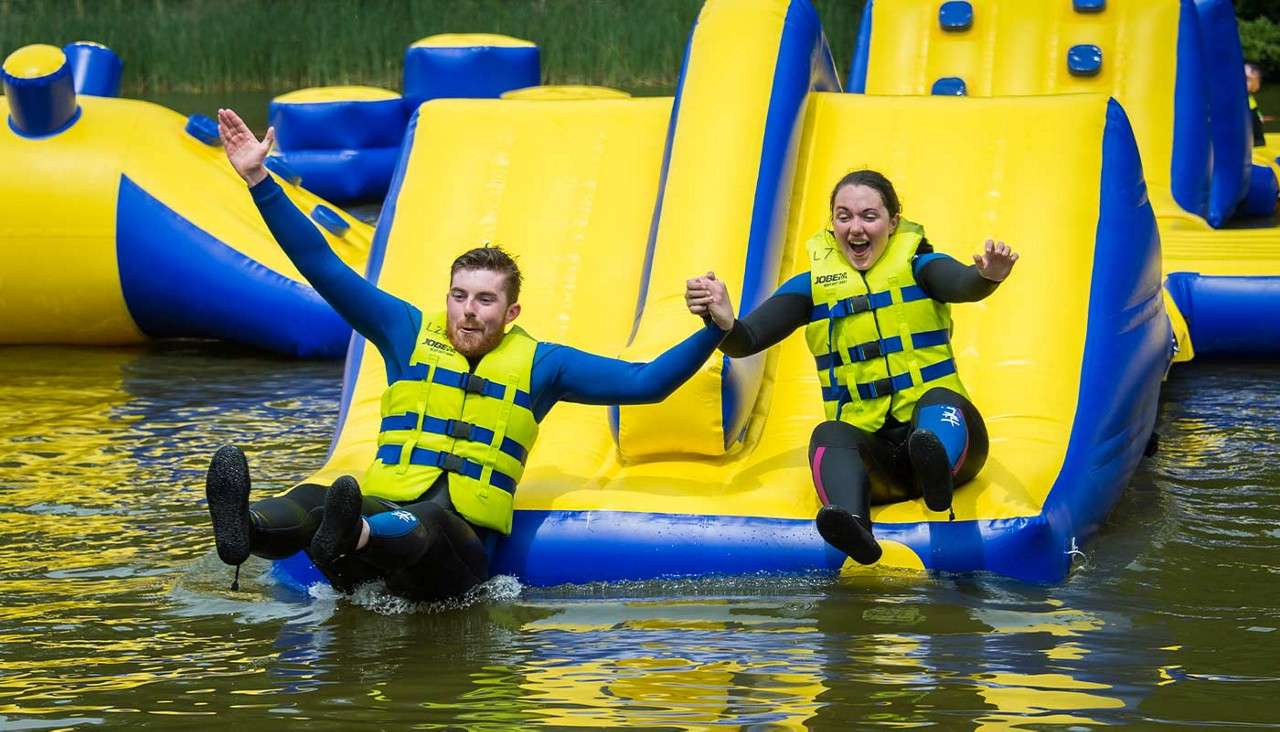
x,y
468,382
448,462
456,429
845,307
889,385
883,347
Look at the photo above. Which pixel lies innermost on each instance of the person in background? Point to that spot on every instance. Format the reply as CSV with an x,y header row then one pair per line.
x,y
1253,82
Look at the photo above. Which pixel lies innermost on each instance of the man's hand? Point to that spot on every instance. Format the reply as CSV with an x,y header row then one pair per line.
x,y
707,296
244,150
996,261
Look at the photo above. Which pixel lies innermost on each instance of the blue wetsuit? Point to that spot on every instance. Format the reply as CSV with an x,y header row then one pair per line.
x,y
423,548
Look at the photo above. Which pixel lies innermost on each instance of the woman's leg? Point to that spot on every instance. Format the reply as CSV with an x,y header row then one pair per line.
x,y
843,483
947,446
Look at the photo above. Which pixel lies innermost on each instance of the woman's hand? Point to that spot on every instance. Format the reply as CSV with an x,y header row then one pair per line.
x,y
996,261
243,149
707,296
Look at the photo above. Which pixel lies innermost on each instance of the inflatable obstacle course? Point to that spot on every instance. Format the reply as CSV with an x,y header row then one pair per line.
x,y
126,222
609,207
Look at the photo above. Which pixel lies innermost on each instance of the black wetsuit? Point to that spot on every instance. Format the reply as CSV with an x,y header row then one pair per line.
x,y
839,453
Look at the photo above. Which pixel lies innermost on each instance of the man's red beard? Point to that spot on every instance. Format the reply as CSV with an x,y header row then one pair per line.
x,y
474,344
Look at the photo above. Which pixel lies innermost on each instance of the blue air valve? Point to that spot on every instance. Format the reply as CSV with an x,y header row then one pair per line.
x,y
40,90
955,16
278,166
1089,6
329,219
1084,60
949,86
468,65
95,68
204,129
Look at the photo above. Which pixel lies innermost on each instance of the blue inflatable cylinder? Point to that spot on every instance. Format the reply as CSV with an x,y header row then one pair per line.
x,y
468,65
1260,200
40,90
95,68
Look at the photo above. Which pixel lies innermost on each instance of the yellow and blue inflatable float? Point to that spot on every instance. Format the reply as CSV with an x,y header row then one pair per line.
x,y
124,221
1175,66
611,203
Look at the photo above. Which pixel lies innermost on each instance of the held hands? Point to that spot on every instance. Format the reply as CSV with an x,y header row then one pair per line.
x,y
996,261
708,297
243,149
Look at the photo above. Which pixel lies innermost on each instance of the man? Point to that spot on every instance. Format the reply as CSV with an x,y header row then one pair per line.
x,y
459,417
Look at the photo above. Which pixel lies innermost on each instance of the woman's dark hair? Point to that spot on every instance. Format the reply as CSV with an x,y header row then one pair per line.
x,y
494,259
873,180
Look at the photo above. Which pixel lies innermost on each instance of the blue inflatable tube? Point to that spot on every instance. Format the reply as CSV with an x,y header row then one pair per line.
x,y
1212,306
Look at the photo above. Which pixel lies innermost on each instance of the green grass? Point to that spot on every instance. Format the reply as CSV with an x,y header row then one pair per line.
x,y
277,45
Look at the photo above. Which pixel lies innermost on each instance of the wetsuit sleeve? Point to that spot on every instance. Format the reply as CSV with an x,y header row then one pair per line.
x,y
786,309
388,322
562,373
946,280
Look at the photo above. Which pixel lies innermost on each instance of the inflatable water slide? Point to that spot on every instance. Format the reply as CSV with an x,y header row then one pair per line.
x,y
124,221
1176,67
610,204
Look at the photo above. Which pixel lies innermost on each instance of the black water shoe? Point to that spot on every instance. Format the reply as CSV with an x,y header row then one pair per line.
x,y
848,533
340,526
227,490
930,469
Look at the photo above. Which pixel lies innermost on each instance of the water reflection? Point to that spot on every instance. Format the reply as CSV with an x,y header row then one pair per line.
x,y
112,609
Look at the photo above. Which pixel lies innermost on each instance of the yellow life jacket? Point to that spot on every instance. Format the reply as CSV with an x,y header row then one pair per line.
x,y
1253,103
879,342
477,426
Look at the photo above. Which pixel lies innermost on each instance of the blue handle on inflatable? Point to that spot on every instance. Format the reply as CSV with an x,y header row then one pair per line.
x,y
949,86
955,16
282,169
203,129
1084,60
329,219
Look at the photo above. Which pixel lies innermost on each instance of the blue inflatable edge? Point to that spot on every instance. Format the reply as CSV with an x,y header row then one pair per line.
x,y
861,52
1192,148
1229,102
178,281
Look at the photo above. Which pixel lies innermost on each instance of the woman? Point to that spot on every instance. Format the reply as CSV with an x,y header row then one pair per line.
x,y
876,316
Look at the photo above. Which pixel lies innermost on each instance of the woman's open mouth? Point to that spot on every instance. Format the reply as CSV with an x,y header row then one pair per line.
x,y
860,248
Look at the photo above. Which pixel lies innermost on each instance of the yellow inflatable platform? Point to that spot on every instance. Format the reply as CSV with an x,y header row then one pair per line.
x,y
124,221
611,203
1176,67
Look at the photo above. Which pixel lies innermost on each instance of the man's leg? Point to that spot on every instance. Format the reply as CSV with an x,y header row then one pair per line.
x,y
424,549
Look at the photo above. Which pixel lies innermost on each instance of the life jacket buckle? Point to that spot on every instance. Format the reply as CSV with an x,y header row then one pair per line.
x,y
449,462
867,351
876,389
858,304
473,384
458,429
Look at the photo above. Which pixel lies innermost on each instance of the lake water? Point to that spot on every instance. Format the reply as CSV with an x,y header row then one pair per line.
x,y
114,612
